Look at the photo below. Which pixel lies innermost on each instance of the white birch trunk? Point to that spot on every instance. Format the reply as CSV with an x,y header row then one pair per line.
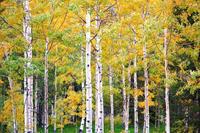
x,y
11,84
46,87
83,93
146,92
88,76
28,78
111,101
186,120
135,88
13,106
55,99
167,118
124,96
25,98
99,124
127,101
36,104
55,96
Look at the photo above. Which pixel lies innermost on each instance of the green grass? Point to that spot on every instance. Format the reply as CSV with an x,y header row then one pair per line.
x,y
118,129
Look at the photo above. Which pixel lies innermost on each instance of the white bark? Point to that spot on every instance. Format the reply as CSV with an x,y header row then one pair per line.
x,y
186,120
111,101
124,96
146,92
25,98
127,101
88,76
135,88
46,87
11,84
28,78
99,124
83,93
55,96
36,104
167,118
13,106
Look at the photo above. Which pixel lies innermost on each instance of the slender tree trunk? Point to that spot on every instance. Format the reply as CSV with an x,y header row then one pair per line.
x,y
28,78
167,118
146,92
155,118
111,100
46,88
13,105
186,119
55,96
128,100
135,85
11,84
99,92
83,93
88,77
36,104
135,99
124,96
61,122
158,115
25,98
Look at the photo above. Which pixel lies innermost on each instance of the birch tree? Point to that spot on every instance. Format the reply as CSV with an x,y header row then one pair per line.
x,y
88,76
15,130
124,95
83,92
11,85
146,93
135,85
99,124
167,111
146,78
55,96
111,100
128,100
28,78
46,86
36,103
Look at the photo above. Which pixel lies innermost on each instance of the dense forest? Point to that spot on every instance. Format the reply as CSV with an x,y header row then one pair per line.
x,y
103,66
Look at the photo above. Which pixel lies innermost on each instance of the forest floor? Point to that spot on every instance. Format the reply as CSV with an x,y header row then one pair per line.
x,y
118,129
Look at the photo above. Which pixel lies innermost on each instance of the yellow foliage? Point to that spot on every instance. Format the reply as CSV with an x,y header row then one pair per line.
x,y
142,104
1,82
7,113
68,107
137,92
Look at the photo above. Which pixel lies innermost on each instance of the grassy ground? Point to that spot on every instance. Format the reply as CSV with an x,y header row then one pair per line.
x,y
118,129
